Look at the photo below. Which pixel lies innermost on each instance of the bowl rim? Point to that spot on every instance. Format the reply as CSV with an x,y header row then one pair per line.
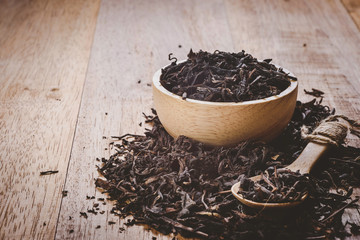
x,y
293,85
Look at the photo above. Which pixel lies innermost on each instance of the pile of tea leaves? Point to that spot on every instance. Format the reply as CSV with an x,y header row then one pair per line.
x,y
182,186
224,77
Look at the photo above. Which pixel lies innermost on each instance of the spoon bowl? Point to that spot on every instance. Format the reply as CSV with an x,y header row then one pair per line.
x,y
259,205
303,164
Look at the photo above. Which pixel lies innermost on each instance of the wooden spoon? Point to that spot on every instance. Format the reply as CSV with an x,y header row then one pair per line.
x,y
304,163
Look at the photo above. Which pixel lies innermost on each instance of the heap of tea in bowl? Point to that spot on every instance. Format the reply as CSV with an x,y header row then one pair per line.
x,y
224,77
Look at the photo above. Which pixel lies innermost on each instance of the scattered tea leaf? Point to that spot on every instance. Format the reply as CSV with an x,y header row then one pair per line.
x,y
314,92
48,172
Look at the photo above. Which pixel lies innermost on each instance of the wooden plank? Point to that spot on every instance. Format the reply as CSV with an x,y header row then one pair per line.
x,y
44,51
131,42
353,7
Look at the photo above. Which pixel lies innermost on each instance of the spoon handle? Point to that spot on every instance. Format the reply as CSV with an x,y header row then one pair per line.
x,y
311,153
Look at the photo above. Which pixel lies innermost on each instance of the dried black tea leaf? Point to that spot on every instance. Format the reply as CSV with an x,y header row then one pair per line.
x,y
83,214
224,77
64,193
355,228
314,92
93,211
48,172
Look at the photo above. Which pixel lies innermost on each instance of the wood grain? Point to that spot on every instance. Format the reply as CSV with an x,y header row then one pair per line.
x,y
44,51
132,48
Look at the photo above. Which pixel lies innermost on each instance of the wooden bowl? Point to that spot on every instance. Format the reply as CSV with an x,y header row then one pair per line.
x,y
224,123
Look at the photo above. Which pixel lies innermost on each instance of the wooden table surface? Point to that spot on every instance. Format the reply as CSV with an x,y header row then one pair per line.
x,y
69,73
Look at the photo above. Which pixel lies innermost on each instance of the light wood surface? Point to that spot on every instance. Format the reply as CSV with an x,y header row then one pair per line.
x,y
45,48
44,51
